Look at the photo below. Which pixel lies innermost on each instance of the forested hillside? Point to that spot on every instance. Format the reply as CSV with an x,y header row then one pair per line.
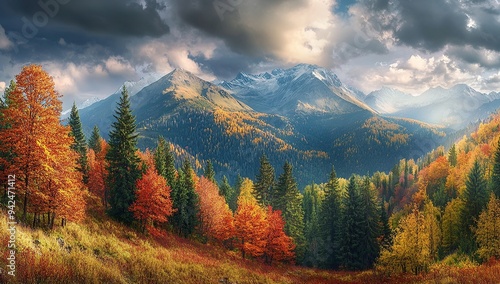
x,y
209,123
101,210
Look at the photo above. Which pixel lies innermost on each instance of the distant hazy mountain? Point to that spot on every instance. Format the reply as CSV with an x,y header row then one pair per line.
x,y
387,100
133,88
454,107
303,115
88,102
301,89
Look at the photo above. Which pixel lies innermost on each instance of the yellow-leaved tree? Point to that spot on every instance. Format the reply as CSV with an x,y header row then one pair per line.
x,y
488,230
415,245
250,223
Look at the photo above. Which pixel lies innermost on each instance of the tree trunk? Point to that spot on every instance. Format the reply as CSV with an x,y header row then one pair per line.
x,y
25,205
52,221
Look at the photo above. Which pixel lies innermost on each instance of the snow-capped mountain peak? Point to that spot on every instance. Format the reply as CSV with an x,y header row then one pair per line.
x,y
302,88
88,102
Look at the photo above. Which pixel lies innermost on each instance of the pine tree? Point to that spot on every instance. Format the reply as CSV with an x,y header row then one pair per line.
x,y
264,184
452,156
330,222
475,198
185,201
495,176
209,172
385,229
79,144
233,203
170,172
226,190
160,155
312,206
288,200
352,236
123,169
95,140
370,226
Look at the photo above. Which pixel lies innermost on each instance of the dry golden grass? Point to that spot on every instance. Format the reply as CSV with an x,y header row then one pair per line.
x,y
107,252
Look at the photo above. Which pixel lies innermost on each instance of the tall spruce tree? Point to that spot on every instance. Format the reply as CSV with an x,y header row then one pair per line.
x,y
233,203
352,235
288,199
165,162
185,201
385,229
264,184
452,156
170,172
330,217
209,172
475,198
370,226
80,145
495,175
123,169
160,155
95,140
226,190
312,206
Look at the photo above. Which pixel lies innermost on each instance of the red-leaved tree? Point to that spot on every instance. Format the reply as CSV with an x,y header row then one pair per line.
x,y
153,204
279,246
216,219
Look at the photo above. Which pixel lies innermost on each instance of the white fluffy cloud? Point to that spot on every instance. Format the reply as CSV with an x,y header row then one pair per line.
x,y
73,81
417,73
2,86
175,51
5,43
119,66
305,32
492,82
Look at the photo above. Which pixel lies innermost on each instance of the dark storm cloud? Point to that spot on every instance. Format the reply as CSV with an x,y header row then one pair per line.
x,y
110,17
254,34
472,55
225,64
433,24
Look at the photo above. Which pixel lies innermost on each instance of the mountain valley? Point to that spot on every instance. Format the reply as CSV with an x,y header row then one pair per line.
x,y
304,115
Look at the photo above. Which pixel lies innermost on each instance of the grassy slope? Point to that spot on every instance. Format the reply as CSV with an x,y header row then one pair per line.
x,y
107,252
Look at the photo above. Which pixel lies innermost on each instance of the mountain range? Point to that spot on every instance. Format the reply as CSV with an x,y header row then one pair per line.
x,y
304,115
454,107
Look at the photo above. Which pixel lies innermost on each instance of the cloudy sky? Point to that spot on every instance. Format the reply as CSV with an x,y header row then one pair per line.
x,y
91,47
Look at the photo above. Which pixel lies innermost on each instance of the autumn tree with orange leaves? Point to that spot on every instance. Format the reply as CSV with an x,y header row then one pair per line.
x,y
250,223
279,246
43,161
153,205
216,219
98,172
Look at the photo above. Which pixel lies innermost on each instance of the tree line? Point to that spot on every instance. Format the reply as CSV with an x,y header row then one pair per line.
x,y
403,221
